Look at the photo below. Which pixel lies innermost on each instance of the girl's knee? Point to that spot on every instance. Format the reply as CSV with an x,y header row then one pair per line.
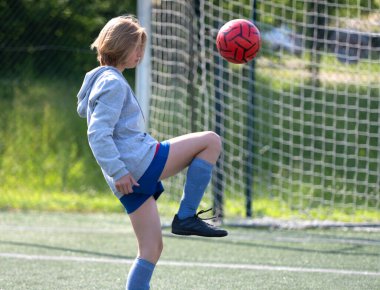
x,y
214,141
151,252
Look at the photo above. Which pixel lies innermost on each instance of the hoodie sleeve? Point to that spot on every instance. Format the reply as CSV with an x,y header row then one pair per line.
x,y
108,98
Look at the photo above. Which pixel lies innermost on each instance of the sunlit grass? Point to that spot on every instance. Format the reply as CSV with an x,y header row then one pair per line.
x,y
288,71
46,164
26,200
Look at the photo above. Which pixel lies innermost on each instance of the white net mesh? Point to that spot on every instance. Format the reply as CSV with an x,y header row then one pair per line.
x,y
300,125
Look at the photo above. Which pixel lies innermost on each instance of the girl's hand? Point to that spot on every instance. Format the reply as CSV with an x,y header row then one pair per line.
x,y
125,184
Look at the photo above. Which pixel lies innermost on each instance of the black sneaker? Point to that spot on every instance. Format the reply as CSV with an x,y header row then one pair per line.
x,y
196,226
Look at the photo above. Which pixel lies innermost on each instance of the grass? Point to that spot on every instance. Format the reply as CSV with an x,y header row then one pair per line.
x,y
288,70
106,202
45,161
59,201
93,251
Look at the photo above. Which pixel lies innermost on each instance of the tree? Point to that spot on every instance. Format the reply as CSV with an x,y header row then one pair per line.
x,y
51,36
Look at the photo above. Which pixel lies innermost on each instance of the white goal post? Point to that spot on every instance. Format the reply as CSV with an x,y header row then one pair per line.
x,y
300,124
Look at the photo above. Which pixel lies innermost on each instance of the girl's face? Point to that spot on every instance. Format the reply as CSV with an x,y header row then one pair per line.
x,y
134,58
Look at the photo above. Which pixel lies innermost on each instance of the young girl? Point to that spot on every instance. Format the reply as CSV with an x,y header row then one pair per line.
x,y
133,162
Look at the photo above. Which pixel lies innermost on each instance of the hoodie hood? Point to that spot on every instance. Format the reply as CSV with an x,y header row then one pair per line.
x,y
85,90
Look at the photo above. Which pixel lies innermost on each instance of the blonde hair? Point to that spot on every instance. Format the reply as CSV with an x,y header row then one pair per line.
x,y
118,39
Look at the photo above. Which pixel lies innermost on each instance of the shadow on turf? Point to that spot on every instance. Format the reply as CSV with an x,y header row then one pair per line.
x,y
344,250
40,246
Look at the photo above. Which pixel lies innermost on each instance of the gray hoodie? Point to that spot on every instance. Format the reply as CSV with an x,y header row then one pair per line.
x,y
113,118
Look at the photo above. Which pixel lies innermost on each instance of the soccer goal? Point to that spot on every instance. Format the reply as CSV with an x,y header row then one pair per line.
x,y
300,124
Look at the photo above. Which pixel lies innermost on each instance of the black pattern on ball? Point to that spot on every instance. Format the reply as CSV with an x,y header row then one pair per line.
x,y
238,41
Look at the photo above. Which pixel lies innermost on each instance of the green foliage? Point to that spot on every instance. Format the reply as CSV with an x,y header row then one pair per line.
x,y
274,11
43,141
53,37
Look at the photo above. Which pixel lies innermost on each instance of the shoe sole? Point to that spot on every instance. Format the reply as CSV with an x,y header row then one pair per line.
x,y
186,233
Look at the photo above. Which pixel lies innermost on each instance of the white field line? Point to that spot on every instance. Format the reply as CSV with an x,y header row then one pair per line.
x,y
59,229
188,264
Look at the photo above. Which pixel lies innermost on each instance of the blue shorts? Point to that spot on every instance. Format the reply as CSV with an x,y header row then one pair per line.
x,y
150,185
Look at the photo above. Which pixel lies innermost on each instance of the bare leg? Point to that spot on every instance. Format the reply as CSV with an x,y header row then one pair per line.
x,y
199,151
183,149
147,226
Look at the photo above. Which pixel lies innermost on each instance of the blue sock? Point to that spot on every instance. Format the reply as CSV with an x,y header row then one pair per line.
x,y
139,275
197,178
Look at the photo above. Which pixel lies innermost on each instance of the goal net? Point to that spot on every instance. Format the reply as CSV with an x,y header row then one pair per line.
x,y
300,124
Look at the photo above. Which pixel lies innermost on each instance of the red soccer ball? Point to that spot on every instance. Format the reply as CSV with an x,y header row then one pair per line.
x,y
238,41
